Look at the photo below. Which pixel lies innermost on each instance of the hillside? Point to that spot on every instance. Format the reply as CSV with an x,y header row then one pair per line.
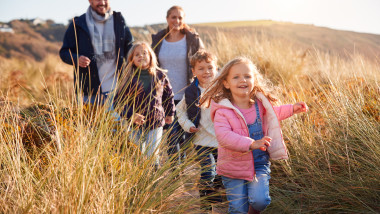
x,y
342,43
30,41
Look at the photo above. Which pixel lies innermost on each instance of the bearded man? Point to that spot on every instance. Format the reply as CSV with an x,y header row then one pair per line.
x,y
96,43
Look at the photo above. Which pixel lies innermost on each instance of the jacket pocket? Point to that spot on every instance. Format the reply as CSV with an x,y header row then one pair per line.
x,y
232,155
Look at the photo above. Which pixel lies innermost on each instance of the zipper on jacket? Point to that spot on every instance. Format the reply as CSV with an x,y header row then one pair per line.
x,y
253,160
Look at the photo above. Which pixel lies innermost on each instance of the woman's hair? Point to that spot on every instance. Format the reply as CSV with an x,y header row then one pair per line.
x,y
130,69
202,55
185,26
216,91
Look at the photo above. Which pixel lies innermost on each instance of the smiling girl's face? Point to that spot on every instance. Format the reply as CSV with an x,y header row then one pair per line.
x,y
240,80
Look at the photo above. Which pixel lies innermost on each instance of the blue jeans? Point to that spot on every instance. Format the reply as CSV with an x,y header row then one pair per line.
x,y
105,98
242,193
206,157
210,182
176,140
148,141
97,99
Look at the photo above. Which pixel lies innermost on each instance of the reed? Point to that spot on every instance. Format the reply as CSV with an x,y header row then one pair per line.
x,y
58,155
334,148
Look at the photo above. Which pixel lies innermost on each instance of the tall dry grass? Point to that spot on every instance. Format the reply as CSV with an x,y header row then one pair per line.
x,y
59,156
334,148
26,81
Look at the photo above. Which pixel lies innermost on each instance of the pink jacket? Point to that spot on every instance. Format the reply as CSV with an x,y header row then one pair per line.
x,y
235,160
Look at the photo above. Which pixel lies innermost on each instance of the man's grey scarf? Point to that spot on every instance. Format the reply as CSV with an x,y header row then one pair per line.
x,y
104,45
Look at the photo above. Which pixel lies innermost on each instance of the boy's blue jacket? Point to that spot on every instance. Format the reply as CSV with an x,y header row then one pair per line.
x,y
192,96
89,82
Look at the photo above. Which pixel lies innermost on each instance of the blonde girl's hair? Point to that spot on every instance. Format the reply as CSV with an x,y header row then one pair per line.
x,y
185,26
129,70
216,91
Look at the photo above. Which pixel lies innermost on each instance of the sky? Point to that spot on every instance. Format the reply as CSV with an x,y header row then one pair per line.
x,y
352,15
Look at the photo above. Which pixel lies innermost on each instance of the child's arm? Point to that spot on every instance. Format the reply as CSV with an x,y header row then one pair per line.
x,y
183,119
228,138
300,107
122,103
285,111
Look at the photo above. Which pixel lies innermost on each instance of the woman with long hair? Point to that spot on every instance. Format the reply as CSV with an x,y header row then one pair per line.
x,y
173,46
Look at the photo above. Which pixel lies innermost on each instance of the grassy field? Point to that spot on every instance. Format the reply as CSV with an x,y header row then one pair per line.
x,y
307,37
60,156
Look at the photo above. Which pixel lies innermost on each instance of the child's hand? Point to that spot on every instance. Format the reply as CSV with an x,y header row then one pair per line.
x,y
169,119
193,129
300,107
262,144
138,119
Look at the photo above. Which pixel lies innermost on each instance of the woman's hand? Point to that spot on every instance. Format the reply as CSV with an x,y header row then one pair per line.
x,y
300,107
262,144
138,119
169,119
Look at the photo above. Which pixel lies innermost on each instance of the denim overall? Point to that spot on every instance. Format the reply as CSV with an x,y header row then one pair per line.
x,y
261,158
257,190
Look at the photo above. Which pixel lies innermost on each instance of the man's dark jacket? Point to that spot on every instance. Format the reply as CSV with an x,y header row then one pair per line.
x,y
87,78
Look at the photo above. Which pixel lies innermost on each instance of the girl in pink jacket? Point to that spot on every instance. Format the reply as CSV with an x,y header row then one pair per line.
x,y
248,132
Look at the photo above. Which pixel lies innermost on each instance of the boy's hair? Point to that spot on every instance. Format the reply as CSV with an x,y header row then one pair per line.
x,y
216,91
202,55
